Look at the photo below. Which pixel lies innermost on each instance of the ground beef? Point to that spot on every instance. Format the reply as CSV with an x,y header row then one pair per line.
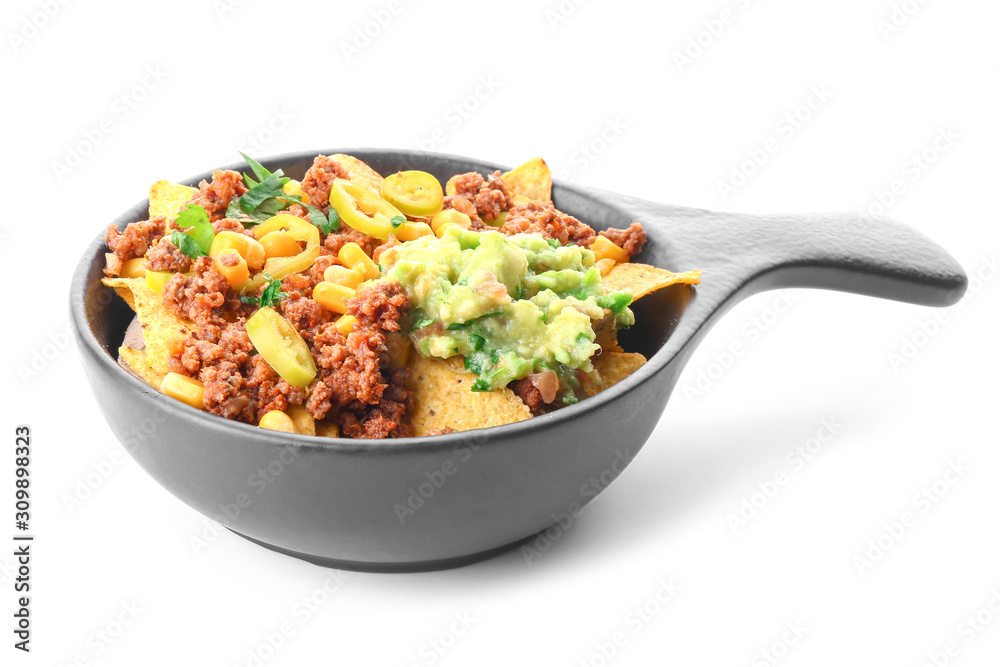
x,y
631,240
267,390
297,210
133,241
199,297
350,369
322,263
392,241
336,240
529,395
305,314
212,345
225,393
319,179
228,225
165,256
544,219
379,306
463,205
214,197
489,196
357,420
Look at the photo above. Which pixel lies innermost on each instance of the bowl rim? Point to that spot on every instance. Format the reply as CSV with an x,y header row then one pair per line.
x,y
236,429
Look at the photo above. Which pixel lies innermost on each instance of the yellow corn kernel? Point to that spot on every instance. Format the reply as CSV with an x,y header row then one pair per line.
x,y
233,267
185,389
134,268
279,244
413,230
605,265
276,420
332,296
449,216
602,248
294,187
398,345
249,248
346,324
342,275
353,256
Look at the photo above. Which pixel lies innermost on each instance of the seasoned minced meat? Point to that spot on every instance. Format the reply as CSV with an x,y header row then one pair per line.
x,y
489,196
165,256
214,197
529,395
319,179
199,297
133,241
544,219
631,240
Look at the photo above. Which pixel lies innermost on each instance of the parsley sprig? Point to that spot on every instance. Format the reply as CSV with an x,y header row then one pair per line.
x,y
266,197
196,238
270,295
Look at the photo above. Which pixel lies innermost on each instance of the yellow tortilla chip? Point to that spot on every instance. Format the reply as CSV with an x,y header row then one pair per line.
x,y
360,172
138,362
613,367
304,422
166,199
442,398
641,279
606,330
327,429
533,180
159,327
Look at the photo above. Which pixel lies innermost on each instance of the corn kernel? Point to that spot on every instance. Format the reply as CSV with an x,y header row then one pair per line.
x,y
294,187
332,296
413,230
449,216
346,324
279,244
249,249
353,256
276,420
231,265
602,247
342,275
185,389
605,265
134,268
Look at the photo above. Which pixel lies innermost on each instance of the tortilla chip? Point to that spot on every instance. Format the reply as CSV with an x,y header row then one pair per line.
x,y
360,172
138,364
533,180
613,367
449,187
166,199
442,398
304,422
606,330
641,279
327,429
159,327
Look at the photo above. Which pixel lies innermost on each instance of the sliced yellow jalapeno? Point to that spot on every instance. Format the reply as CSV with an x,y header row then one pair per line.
x,y
282,347
363,209
415,193
279,267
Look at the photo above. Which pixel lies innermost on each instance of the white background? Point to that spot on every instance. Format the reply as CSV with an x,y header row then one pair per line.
x,y
597,90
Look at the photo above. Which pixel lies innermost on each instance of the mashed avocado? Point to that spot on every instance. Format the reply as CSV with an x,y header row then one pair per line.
x,y
511,305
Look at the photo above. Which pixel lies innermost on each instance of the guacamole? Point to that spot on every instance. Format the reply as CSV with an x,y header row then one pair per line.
x,y
511,305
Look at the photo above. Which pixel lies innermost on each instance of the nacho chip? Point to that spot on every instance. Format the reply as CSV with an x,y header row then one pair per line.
x,y
360,172
606,330
166,199
641,279
159,327
533,180
613,367
327,429
304,422
138,364
442,399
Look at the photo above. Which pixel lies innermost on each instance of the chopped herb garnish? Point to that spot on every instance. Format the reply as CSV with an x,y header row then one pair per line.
x,y
194,223
266,197
397,220
480,385
186,244
476,341
422,322
270,295
553,243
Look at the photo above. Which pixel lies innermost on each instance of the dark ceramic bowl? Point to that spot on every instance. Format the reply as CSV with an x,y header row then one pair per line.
x,y
424,503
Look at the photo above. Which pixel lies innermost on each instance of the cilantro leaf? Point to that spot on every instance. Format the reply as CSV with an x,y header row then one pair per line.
x,y
258,169
193,220
476,341
553,243
480,385
272,292
397,221
186,244
422,322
